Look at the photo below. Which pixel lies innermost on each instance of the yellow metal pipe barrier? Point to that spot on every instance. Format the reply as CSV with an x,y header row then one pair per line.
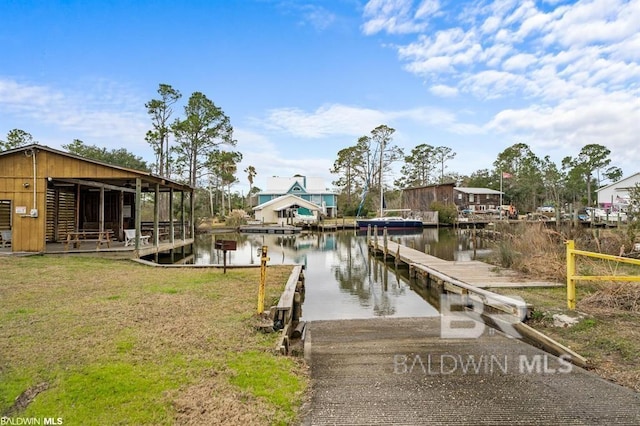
x,y
263,278
571,271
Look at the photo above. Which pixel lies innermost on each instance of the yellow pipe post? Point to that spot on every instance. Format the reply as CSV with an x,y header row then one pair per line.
x,y
263,278
571,272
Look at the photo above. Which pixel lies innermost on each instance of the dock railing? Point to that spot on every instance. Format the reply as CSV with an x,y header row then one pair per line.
x,y
572,275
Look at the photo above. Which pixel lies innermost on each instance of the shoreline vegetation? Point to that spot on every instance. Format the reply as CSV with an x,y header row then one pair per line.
x,y
101,341
607,331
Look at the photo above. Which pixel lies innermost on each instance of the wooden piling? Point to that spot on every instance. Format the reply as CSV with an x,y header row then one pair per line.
x,y
384,242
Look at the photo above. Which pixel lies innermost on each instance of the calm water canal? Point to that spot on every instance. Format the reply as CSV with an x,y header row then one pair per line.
x,y
342,280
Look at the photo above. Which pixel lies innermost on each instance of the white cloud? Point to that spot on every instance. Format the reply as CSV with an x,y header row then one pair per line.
x,y
596,21
104,113
342,120
444,91
568,70
519,62
397,16
493,84
317,16
325,121
601,118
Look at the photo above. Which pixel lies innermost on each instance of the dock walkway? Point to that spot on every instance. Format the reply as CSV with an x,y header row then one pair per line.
x,y
399,371
474,272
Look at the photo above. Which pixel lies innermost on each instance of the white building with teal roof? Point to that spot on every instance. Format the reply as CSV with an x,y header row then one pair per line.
x,y
301,197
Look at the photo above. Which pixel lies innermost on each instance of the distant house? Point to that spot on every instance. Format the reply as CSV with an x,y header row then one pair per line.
x,y
419,199
616,195
300,197
477,199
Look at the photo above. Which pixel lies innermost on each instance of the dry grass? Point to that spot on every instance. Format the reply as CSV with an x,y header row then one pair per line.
x,y
615,295
533,250
170,334
609,333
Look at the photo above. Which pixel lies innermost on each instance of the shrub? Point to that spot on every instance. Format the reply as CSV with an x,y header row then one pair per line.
x,y
447,213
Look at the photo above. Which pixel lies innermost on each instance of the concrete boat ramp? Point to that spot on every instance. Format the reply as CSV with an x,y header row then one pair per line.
x,y
400,371
450,370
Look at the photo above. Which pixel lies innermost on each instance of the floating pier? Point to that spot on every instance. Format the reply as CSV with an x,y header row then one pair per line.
x,y
270,229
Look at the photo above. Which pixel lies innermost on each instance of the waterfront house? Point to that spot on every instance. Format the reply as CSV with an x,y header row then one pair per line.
x,y
480,200
295,199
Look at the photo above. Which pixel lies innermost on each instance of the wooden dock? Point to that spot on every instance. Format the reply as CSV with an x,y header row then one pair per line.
x,y
469,279
475,273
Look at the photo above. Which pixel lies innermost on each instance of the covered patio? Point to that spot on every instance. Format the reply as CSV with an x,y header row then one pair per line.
x,y
63,203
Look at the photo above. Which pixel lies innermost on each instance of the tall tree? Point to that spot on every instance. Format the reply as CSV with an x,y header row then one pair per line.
x,y
223,166
251,174
442,155
385,153
117,157
15,139
204,128
360,167
482,178
346,166
160,111
525,187
591,160
554,181
418,166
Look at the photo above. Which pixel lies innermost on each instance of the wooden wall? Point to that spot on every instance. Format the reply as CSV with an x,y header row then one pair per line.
x,y
420,199
16,170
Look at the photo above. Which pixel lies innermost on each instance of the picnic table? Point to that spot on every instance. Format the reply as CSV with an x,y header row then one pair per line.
x,y
77,237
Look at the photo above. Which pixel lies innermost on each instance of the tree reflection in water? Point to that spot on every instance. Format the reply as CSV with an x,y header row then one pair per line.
x,y
342,280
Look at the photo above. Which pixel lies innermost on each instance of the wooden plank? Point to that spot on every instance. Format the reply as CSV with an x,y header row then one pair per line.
x,y
284,308
286,299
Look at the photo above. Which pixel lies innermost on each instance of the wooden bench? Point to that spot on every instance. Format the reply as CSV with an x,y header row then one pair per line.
x,y
89,235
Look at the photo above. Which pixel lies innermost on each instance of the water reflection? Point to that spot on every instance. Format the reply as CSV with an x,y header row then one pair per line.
x,y
342,280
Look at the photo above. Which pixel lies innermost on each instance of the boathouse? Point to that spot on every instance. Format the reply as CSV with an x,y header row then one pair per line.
x,y
49,198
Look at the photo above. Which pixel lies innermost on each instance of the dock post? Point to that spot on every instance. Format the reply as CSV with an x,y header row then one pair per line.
x,y
397,259
375,237
475,242
368,234
384,242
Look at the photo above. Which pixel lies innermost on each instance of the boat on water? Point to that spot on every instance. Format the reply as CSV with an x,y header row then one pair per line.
x,y
391,223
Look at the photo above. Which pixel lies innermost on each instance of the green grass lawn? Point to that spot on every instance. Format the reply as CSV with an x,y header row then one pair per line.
x,y
96,341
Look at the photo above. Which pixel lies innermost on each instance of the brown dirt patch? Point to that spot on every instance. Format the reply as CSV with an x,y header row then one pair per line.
x,y
25,398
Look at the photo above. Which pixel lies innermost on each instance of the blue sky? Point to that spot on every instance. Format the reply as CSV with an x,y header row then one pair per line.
x,y
302,80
